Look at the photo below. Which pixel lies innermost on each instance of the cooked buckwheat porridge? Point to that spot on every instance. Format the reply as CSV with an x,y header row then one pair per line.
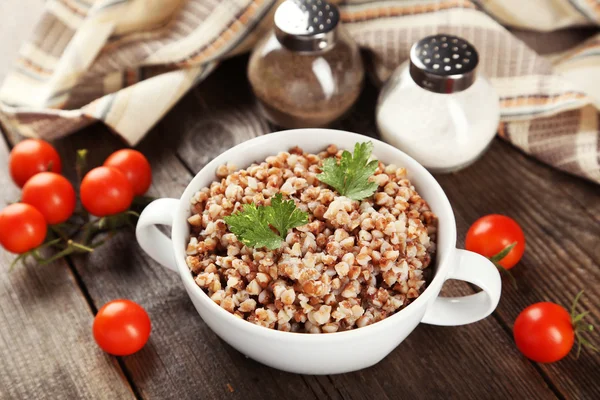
x,y
350,264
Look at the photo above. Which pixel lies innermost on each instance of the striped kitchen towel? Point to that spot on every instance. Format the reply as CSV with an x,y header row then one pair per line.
x,y
127,62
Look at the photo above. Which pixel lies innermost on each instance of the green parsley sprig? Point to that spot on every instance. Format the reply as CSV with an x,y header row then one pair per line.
x,y
350,177
253,224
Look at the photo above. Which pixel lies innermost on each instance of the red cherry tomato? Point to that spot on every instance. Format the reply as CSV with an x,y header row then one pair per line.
x,y
52,194
105,191
135,166
491,234
544,333
121,327
22,228
30,157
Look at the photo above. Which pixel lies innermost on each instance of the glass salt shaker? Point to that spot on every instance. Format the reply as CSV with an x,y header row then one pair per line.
x,y
437,108
307,72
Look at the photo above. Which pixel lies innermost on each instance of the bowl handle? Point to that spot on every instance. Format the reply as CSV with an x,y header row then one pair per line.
x,y
155,243
476,269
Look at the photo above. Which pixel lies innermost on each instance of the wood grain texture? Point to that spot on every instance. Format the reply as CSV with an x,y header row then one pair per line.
x,y
562,255
46,344
52,355
560,215
183,359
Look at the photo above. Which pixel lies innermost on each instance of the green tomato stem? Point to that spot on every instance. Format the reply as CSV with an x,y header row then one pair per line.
x,y
580,327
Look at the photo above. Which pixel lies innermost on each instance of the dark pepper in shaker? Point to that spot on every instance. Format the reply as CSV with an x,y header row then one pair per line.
x,y
307,72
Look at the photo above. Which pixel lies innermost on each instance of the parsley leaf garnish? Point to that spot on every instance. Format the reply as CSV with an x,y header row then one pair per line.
x,y
283,215
252,225
350,177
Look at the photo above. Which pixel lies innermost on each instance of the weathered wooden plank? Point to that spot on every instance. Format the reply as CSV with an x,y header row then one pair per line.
x,y
583,192
46,342
214,118
559,214
562,254
184,358
171,365
46,345
471,361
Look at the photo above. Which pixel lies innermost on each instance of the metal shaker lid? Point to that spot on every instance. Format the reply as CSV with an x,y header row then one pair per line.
x,y
306,25
443,63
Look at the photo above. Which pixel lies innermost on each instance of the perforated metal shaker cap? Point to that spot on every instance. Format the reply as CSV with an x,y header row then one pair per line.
x,y
443,63
306,25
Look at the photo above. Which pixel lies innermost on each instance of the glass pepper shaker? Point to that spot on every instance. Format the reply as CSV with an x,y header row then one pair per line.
x,y
307,72
437,108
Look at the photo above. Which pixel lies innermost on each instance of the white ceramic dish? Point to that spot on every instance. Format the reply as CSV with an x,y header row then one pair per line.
x,y
333,352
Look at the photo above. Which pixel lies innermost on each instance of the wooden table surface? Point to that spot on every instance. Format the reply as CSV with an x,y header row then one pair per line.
x,y
46,313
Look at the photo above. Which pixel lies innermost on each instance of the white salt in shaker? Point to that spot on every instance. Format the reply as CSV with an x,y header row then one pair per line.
x,y
436,108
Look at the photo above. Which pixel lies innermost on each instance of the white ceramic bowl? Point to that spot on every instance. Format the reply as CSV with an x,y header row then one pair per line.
x,y
333,352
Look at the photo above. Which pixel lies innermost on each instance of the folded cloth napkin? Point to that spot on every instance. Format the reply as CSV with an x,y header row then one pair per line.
x,y
127,62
